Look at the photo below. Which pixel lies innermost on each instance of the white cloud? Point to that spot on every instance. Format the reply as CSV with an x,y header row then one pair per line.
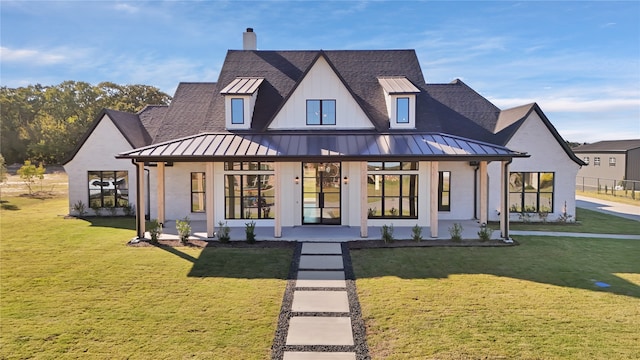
x,y
128,8
33,56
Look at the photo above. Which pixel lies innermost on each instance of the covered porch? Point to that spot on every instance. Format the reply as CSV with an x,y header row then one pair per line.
x,y
330,233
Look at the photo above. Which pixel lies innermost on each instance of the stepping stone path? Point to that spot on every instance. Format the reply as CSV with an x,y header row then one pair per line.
x,y
320,317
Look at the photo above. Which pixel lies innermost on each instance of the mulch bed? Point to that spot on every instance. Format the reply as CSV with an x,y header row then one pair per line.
x,y
353,245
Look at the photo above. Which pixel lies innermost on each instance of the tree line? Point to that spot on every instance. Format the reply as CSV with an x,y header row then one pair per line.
x,y
44,123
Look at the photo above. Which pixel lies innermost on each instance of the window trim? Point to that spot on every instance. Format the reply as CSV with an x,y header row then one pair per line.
x,y
385,170
321,112
235,101
524,190
244,171
115,190
408,110
441,191
203,192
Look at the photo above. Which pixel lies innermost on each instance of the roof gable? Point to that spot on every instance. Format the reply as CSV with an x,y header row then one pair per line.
x,y
320,81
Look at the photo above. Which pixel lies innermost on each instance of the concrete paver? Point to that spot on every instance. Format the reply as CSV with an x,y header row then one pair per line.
x,y
320,301
326,262
311,330
321,279
321,248
299,355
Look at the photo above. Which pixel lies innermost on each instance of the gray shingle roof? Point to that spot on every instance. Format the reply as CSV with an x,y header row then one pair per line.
x,y
609,146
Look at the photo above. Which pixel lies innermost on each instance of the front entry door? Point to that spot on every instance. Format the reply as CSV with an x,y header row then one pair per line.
x,y
321,193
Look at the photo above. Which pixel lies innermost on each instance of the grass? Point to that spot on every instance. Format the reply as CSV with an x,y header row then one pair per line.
x,y
589,221
538,300
72,289
619,198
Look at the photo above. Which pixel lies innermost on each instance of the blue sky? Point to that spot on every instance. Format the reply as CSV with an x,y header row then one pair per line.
x,y
580,60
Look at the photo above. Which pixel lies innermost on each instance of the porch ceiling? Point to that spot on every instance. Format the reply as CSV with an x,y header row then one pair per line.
x,y
340,146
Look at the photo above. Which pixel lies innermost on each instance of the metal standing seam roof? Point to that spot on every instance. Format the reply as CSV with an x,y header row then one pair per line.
x,y
242,86
342,146
397,85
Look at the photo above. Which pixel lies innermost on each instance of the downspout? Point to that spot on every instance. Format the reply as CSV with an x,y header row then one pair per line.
x,y
506,200
475,189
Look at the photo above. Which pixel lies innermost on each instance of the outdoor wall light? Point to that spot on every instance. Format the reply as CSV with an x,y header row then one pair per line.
x,y
296,180
345,180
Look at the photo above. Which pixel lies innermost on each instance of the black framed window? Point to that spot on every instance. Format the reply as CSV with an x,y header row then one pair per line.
x,y
108,189
249,190
392,190
197,192
321,112
531,192
444,191
237,111
402,110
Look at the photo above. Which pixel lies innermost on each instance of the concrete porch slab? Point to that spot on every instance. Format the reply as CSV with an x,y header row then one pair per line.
x,y
321,262
309,330
321,279
322,248
299,355
320,301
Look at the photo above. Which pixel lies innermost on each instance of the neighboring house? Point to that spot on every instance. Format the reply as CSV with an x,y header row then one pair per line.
x,y
351,138
612,160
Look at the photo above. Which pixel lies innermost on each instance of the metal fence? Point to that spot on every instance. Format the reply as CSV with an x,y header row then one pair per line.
x,y
622,188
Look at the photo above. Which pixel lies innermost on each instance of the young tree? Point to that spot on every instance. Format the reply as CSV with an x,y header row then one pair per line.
x,y
29,172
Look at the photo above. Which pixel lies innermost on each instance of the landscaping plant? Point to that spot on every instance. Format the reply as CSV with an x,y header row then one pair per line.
x,y
485,233
456,232
387,233
249,231
155,229
184,229
223,232
416,233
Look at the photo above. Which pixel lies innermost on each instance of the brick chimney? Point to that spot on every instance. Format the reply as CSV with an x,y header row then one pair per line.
x,y
249,40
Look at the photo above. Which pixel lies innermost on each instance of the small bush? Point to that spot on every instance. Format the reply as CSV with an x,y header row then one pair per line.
x,y
96,209
249,230
387,233
184,229
129,209
80,208
223,232
485,233
416,233
456,232
155,229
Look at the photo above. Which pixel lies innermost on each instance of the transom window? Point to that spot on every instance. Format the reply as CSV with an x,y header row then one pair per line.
x,y
237,111
402,110
321,112
108,189
249,190
444,191
531,192
392,190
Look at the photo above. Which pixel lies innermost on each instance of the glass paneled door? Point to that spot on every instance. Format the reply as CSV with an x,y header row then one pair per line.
x,y
321,193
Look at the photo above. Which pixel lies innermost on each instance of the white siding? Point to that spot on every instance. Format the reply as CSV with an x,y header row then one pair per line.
x,y
547,155
462,191
321,83
98,154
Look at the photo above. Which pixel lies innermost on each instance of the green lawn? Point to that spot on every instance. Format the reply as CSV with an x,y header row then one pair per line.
x,y
588,221
538,300
73,289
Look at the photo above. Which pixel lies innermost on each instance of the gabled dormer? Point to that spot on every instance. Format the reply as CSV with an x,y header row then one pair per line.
x,y
400,96
239,100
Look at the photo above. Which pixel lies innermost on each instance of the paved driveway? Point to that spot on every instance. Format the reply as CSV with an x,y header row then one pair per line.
x,y
608,207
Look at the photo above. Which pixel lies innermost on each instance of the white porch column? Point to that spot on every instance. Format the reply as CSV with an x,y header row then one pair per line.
x,y
161,193
433,199
277,225
140,203
484,196
209,200
364,205
504,200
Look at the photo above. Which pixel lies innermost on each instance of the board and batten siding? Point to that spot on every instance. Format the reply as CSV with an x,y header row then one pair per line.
x,y
321,83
